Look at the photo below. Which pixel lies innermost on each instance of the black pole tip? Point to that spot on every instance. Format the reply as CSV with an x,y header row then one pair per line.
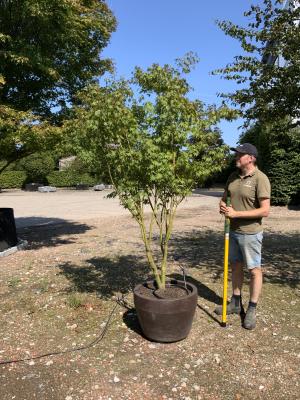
x,y
223,324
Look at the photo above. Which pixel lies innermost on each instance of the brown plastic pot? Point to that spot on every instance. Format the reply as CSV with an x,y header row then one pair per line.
x,y
166,320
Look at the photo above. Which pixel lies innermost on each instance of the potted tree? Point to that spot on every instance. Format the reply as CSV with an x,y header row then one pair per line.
x,y
155,144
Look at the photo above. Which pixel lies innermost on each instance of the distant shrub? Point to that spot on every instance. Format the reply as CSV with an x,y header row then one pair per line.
x,y
69,179
38,166
12,179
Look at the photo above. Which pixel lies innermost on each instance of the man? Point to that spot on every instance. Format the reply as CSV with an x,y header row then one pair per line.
x,y
249,190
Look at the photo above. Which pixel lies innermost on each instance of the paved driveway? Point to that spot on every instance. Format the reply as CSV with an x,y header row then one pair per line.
x,y
35,208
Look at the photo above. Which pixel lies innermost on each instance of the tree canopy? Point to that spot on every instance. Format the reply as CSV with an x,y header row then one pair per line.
x,y
154,142
21,135
270,90
49,50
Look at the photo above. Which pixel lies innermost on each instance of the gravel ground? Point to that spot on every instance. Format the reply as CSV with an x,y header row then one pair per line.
x,y
57,295
35,208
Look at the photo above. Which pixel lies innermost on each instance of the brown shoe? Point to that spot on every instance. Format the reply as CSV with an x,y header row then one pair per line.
x,y
250,318
231,308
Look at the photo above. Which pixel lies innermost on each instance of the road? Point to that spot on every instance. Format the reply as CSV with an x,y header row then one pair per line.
x,y
35,208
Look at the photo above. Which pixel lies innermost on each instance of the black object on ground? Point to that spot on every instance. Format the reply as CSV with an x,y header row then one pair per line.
x,y
32,187
82,186
8,233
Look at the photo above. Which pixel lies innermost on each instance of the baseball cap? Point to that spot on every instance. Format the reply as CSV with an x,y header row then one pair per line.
x,y
246,148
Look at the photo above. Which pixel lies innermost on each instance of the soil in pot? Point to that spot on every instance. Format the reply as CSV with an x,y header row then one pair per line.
x,y
171,292
174,289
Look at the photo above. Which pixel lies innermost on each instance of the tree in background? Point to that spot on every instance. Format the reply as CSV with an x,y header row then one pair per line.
x,y
155,144
48,51
22,135
269,99
281,159
272,93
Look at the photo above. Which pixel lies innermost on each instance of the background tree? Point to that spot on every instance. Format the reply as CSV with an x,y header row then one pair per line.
x,y
270,90
48,51
154,145
21,135
269,97
281,158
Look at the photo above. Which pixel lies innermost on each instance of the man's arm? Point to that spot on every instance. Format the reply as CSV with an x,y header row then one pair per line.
x,y
262,211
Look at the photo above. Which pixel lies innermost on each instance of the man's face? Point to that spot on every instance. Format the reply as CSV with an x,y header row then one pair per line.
x,y
243,160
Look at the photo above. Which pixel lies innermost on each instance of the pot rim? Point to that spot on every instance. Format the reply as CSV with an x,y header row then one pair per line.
x,y
188,284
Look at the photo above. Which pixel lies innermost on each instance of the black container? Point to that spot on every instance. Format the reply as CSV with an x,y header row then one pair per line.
x,y
8,233
166,320
32,187
82,186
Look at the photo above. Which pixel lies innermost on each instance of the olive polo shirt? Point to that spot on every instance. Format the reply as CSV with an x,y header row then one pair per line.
x,y
245,192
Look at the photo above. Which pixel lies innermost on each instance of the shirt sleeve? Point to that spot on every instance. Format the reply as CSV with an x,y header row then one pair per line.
x,y
263,188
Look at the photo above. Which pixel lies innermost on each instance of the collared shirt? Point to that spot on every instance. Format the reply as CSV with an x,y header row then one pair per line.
x,y
245,192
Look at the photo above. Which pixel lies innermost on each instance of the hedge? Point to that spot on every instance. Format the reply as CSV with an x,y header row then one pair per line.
x,y
69,179
12,179
280,150
284,174
37,167
17,179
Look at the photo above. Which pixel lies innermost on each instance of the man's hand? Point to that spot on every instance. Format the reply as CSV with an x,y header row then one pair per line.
x,y
222,206
230,212
227,211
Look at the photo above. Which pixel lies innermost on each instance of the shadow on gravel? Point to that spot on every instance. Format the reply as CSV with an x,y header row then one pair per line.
x,y
105,276
50,232
130,319
281,258
203,249
32,222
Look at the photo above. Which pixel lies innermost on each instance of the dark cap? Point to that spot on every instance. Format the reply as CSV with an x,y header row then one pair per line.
x,y
246,148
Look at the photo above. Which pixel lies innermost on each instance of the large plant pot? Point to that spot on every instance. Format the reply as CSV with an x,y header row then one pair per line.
x,y
162,319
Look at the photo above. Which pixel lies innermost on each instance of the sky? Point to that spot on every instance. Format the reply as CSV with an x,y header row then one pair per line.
x,y
159,31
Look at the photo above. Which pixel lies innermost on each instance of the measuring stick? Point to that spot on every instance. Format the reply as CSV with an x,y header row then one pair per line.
x,y
226,252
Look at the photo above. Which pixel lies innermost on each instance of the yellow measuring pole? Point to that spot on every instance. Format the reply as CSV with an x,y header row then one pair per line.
x,y
226,253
